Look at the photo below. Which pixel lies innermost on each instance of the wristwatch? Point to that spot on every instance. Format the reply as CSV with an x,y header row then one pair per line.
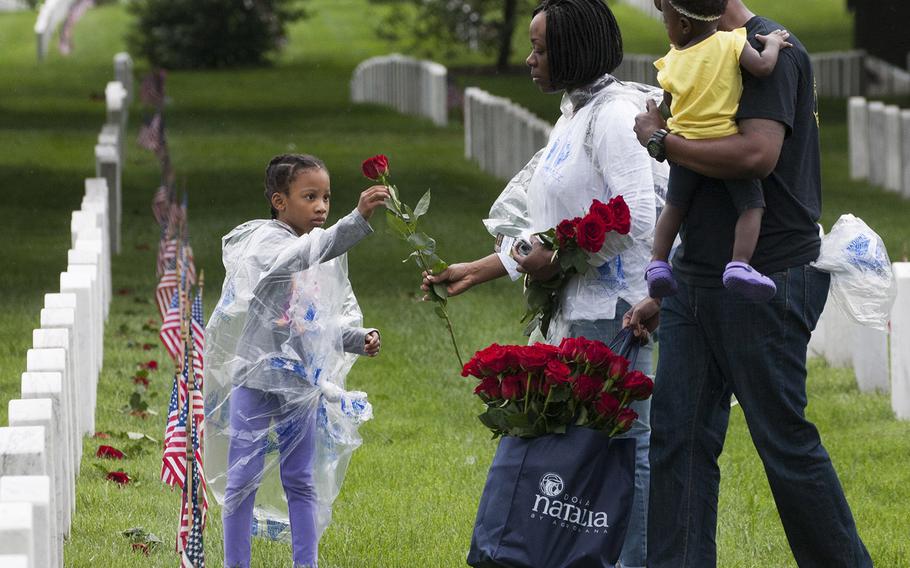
x,y
656,147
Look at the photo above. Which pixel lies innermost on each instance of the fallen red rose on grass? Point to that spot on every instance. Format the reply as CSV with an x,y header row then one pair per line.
x,y
139,380
152,365
119,477
148,346
109,452
375,167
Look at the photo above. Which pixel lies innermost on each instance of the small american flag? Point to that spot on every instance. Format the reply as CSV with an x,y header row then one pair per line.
x,y
151,134
160,204
170,328
151,92
173,461
188,262
169,475
164,292
167,253
193,513
75,14
197,330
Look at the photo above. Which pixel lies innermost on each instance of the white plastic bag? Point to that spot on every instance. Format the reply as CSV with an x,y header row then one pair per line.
x,y
862,282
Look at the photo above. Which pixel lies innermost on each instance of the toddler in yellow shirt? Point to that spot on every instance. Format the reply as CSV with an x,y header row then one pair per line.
x,y
702,81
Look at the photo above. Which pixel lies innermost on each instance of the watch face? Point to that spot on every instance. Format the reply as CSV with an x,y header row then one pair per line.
x,y
653,148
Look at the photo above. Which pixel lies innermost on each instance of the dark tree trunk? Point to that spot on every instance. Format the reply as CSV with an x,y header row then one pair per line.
x,y
509,12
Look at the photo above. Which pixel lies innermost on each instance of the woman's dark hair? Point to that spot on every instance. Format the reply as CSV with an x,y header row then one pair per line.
x,y
583,41
704,8
281,171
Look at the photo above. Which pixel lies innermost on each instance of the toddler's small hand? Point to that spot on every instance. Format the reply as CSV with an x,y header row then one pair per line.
x,y
372,344
777,36
372,198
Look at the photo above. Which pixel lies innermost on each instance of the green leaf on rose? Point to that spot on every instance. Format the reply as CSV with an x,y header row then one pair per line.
x,y
422,206
440,290
396,224
422,242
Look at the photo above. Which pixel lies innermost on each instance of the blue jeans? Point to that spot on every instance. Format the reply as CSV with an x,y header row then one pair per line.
x,y
714,344
634,550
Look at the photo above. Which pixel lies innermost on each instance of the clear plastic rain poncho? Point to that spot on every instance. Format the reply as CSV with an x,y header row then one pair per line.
x,y
286,312
592,153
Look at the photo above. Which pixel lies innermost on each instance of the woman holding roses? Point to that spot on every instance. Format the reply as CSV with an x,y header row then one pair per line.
x,y
592,154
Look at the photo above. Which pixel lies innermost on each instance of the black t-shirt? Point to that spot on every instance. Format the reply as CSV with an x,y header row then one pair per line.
x,y
789,235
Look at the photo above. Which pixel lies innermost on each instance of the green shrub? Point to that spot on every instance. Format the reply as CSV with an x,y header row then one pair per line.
x,y
183,34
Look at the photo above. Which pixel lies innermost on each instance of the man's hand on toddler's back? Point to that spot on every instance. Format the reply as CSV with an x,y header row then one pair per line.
x,y
372,344
372,198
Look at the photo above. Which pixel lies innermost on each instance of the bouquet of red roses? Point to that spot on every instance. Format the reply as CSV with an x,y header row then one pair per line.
x,y
573,242
532,390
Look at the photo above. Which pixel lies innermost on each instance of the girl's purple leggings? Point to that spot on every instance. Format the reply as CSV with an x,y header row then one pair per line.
x,y
252,412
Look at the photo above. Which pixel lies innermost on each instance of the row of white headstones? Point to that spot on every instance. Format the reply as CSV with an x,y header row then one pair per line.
x,y
41,448
501,136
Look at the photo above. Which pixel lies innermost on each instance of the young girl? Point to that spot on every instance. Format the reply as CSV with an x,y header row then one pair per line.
x,y
702,82
275,355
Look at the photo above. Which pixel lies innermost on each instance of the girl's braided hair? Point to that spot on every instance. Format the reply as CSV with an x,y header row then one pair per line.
x,y
281,171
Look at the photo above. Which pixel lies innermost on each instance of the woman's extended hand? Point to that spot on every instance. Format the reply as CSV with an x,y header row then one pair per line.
x,y
538,263
643,317
456,278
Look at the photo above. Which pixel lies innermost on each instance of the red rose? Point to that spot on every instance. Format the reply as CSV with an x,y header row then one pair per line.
x,y
471,368
489,386
148,346
557,372
606,404
534,357
139,380
375,167
622,219
586,387
591,233
625,419
598,354
637,384
618,367
565,232
573,348
491,360
603,211
513,386
109,452
152,365
119,476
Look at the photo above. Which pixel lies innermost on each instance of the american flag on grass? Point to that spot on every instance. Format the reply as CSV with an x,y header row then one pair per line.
x,y
170,328
75,14
167,252
193,515
161,204
151,92
197,331
151,135
169,475
173,461
164,292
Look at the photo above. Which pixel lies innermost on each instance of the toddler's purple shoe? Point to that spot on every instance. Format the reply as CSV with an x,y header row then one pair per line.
x,y
748,282
660,279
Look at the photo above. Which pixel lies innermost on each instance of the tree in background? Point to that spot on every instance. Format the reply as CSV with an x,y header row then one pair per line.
x,y
183,34
442,27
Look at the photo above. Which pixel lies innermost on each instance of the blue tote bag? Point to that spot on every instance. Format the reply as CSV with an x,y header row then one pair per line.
x,y
557,501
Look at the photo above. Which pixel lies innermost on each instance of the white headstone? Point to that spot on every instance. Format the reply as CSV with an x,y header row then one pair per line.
x,y
905,153
123,72
77,372
96,306
14,561
878,169
839,329
900,343
108,166
37,491
22,451
870,359
39,412
50,385
893,171
858,125
17,526
81,285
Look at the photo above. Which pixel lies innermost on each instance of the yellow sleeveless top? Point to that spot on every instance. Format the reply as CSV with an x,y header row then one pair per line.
x,y
706,84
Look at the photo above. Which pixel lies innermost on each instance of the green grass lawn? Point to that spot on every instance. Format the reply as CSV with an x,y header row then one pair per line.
x,y
411,492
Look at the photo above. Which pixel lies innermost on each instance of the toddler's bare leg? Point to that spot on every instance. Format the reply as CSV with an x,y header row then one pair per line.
x,y
667,228
748,226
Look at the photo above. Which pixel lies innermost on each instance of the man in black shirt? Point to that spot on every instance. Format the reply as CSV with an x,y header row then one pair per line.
x,y
715,343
